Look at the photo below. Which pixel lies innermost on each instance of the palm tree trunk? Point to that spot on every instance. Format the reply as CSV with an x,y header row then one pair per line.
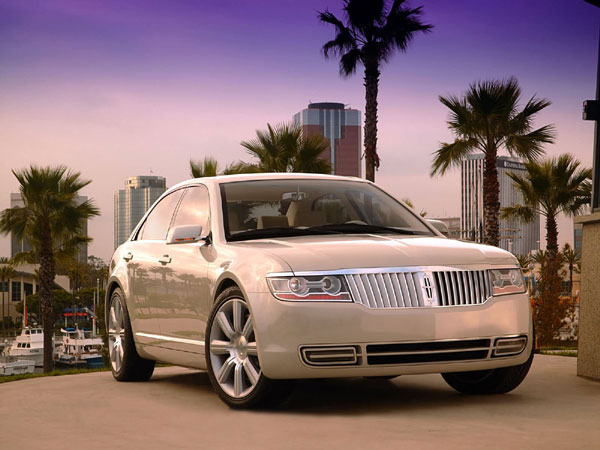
x,y
47,275
371,89
551,235
2,286
491,203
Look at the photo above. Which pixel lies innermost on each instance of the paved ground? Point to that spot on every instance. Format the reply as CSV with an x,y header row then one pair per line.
x,y
552,409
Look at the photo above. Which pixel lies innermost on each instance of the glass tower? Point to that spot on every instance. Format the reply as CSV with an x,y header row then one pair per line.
x,y
132,203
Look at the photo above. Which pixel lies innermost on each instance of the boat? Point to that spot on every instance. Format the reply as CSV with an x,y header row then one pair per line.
x,y
79,348
13,365
29,345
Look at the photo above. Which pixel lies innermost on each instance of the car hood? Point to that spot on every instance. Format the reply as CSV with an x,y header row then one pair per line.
x,y
307,253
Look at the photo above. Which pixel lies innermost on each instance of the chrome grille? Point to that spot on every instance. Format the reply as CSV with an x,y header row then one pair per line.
x,y
462,287
419,289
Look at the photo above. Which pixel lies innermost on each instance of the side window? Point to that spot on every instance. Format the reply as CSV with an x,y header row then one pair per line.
x,y
157,223
194,209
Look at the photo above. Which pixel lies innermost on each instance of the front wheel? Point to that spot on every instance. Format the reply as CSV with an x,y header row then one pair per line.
x,y
493,381
125,362
232,356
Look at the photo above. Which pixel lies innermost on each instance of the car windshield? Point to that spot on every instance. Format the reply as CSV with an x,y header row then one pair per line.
x,y
296,207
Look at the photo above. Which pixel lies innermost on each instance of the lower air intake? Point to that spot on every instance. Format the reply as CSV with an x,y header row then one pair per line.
x,y
329,356
428,352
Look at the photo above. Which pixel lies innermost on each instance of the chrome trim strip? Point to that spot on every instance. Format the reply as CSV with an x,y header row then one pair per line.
x,y
428,352
366,270
170,338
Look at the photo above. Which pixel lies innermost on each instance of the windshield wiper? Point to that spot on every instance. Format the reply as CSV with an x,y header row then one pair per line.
x,y
275,232
363,228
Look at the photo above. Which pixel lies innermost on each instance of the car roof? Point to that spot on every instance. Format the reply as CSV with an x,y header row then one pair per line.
x,y
264,176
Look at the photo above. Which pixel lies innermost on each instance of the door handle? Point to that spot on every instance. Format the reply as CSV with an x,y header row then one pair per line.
x,y
164,259
128,256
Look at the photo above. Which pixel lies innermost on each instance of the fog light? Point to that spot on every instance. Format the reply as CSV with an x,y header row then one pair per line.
x,y
509,346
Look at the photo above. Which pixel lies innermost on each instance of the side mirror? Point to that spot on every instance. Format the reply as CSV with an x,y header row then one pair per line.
x,y
185,234
439,225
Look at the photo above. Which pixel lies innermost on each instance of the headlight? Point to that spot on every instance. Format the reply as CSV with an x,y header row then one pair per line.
x,y
310,288
507,281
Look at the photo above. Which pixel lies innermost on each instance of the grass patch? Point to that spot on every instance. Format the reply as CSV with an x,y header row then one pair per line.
x,y
54,373
559,347
571,353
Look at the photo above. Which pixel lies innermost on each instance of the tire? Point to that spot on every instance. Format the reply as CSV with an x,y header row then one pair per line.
x,y
494,381
232,356
125,362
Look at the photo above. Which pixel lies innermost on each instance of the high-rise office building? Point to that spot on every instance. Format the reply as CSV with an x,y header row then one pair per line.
x,y
342,128
17,246
515,236
132,203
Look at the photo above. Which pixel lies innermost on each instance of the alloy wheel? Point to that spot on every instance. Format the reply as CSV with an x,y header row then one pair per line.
x,y
233,349
116,333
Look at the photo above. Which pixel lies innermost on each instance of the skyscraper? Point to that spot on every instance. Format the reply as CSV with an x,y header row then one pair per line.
x,y
132,203
342,128
515,236
17,246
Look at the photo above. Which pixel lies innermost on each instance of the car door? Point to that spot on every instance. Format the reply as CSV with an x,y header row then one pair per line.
x,y
184,322
148,271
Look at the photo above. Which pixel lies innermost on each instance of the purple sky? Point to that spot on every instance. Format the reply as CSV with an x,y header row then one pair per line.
x,y
115,89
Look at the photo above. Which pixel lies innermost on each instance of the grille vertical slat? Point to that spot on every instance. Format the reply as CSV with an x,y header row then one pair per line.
x,y
454,288
375,289
439,282
448,287
389,288
383,291
480,284
412,289
472,287
354,289
465,285
398,289
418,289
362,278
405,291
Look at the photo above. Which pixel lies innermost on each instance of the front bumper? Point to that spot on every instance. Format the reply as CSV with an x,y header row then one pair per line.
x,y
283,329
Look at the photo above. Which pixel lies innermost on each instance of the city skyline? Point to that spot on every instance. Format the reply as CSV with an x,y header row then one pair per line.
x,y
151,86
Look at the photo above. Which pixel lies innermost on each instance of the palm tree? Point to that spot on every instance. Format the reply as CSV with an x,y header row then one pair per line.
x,y
209,167
409,203
7,271
52,221
206,168
572,258
487,119
549,188
369,35
524,261
285,148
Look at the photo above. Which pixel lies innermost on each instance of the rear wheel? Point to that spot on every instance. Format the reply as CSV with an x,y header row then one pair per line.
x,y
232,356
494,381
125,362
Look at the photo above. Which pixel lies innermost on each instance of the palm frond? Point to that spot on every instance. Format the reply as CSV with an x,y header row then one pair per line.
x,y
451,155
529,146
348,62
207,167
524,213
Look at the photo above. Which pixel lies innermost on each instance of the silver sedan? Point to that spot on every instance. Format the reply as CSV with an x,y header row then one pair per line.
x,y
262,279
